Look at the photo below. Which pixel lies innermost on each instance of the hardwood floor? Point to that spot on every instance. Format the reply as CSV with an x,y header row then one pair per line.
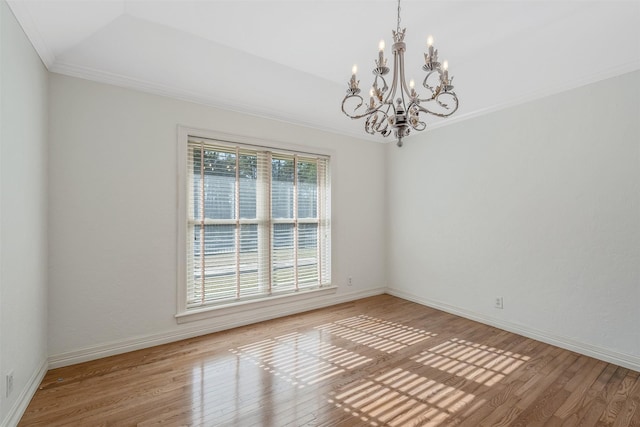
x,y
373,362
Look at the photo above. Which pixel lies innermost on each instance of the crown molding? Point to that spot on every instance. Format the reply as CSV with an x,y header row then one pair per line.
x,y
173,92
115,79
611,72
20,10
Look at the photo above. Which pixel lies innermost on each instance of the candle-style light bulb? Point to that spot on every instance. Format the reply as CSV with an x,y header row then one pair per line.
x,y
412,85
431,55
372,102
353,83
381,60
445,74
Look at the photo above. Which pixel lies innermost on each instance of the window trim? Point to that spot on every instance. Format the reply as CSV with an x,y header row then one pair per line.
x,y
183,314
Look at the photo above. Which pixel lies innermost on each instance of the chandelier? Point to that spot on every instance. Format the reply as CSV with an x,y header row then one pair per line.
x,y
397,109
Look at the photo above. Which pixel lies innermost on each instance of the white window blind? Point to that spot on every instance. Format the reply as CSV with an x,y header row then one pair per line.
x,y
258,222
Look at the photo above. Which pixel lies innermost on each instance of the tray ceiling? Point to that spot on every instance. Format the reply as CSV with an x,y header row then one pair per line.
x,y
291,60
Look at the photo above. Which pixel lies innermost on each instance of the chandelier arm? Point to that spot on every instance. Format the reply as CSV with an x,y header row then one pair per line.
x,y
419,126
378,122
353,115
403,79
386,111
394,84
434,113
384,120
367,126
384,82
435,91
443,105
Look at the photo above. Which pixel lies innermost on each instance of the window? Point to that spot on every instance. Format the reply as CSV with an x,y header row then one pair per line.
x,y
257,222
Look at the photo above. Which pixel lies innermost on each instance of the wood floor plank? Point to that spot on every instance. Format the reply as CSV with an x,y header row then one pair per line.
x,y
537,412
629,407
380,361
621,407
578,386
598,405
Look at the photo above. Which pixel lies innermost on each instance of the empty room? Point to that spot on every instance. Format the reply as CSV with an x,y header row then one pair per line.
x,y
319,213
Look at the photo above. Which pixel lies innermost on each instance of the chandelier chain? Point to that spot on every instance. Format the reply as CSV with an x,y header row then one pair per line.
x,y
398,27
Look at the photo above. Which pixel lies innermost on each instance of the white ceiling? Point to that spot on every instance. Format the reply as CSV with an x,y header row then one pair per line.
x,y
291,60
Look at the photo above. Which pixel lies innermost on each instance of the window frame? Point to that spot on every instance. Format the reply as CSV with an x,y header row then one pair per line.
x,y
183,312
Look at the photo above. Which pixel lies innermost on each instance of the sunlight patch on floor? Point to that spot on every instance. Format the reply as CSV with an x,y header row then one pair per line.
x,y
378,334
300,359
401,397
477,362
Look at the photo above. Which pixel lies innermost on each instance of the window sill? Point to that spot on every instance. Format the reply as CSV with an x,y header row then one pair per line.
x,y
214,311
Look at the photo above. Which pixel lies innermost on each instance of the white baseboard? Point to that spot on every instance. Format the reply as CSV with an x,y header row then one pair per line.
x,y
17,410
621,359
145,341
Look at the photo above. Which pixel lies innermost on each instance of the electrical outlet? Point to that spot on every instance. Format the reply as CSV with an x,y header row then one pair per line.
x,y
498,303
349,281
9,387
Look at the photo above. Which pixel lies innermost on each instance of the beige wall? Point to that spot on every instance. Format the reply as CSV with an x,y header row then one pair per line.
x,y
23,217
113,216
539,204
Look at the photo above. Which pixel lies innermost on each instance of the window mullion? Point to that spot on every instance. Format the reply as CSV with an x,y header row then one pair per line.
x,y
318,216
237,218
263,213
202,231
295,221
269,226
323,222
